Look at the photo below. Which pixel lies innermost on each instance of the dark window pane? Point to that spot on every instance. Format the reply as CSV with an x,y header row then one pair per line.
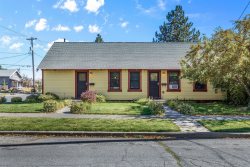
x,y
200,86
115,80
134,80
174,80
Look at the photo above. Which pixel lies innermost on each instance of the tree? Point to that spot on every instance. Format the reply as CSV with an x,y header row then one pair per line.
x,y
177,28
224,60
99,39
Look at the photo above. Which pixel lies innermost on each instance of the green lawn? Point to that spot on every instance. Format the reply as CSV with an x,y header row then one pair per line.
x,y
21,108
125,108
217,108
227,126
67,124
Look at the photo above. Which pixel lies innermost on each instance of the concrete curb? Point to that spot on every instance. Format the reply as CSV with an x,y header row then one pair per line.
x,y
174,135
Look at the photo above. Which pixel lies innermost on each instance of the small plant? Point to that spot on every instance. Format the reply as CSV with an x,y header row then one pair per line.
x,y
172,104
78,108
56,97
3,99
88,96
16,100
45,97
32,99
67,102
155,108
143,101
100,98
52,105
185,108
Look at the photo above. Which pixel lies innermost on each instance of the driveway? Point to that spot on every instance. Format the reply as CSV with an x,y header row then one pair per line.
x,y
9,96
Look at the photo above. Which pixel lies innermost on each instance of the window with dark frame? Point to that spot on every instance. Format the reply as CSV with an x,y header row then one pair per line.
x,y
200,87
114,79
173,80
134,80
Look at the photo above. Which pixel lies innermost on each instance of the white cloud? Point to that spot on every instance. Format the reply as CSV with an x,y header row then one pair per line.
x,y
193,15
162,4
16,46
30,23
51,43
78,28
5,40
60,27
41,25
94,5
69,5
94,29
124,24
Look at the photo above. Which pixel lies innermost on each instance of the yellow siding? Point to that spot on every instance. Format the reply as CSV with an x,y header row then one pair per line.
x,y
62,82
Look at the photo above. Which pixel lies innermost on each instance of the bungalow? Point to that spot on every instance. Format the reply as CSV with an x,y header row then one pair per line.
x,y
10,78
121,71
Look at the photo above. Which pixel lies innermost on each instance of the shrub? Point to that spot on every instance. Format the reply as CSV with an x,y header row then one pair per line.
x,y
143,101
100,98
56,97
3,99
172,104
78,108
32,99
88,96
52,105
45,97
16,100
185,108
155,108
67,102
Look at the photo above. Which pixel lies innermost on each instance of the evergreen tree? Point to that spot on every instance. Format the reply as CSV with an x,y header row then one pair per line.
x,y
99,39
177,28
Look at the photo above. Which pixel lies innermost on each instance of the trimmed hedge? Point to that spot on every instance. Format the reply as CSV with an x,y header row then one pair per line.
x,y
32,99
55,96
3,99
46,97
78,108
16,100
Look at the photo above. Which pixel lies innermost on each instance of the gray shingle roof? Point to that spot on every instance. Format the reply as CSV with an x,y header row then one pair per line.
x,y
7,73
114,55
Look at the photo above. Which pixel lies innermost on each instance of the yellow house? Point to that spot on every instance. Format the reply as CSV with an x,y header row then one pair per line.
x,y
121,71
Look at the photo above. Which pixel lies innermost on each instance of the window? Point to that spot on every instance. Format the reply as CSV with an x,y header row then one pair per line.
x,y
200,87
114,80
134,80
174,80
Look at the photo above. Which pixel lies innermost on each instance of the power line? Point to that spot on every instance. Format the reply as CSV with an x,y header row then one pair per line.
x,y
11,53
18,33
244,10
9,57
16,65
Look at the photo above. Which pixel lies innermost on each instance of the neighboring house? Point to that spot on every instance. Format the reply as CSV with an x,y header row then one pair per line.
x,y
10,78
121,71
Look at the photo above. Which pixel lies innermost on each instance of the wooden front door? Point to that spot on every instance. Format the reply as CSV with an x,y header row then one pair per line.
x,y
154,84
81,83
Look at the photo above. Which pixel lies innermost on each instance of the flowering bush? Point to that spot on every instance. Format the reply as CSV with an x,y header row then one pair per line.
x,y
88,96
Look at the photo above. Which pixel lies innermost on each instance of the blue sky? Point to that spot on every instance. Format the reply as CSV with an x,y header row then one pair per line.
x,y
81,20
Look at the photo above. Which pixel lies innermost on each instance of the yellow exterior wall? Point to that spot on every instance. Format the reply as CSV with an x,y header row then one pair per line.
x,y
62,82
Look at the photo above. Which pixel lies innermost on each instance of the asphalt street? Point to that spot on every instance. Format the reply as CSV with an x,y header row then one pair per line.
x,y
112,152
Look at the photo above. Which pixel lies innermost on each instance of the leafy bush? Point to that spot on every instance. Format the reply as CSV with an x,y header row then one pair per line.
x,y
16,100
52,105
67,102
45,97
143,101
3,99
172,104
88,96
185,108
100,98
236,95
32,99
78,108
155,108
56,97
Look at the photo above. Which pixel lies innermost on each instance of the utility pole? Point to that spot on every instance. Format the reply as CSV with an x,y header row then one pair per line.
x,y
31,39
